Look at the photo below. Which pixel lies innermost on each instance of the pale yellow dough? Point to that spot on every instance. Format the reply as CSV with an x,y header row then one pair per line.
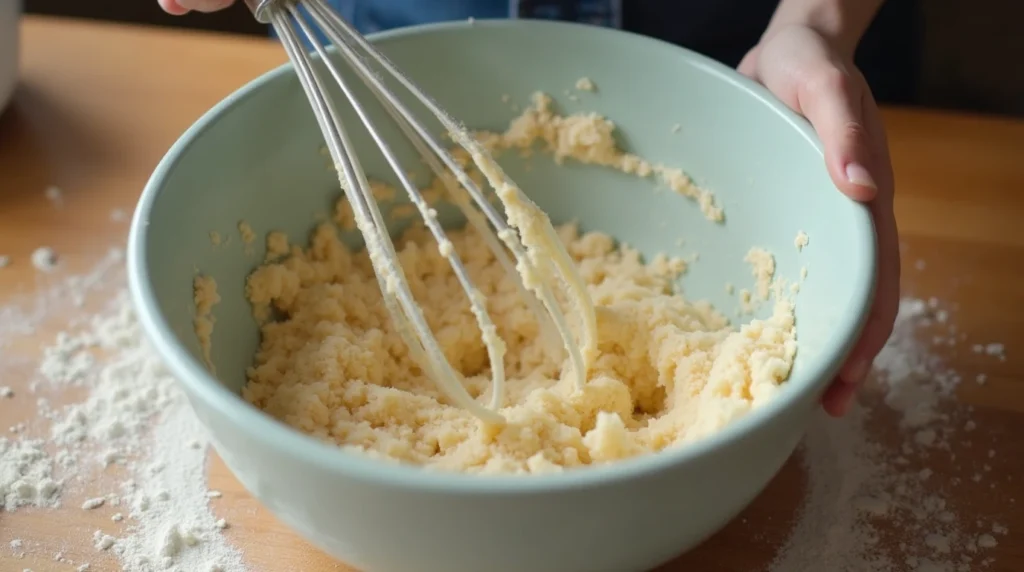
x,y
666,371
589,138
204,291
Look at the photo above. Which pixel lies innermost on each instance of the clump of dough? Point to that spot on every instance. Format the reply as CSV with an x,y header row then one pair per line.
x,y
667,370
247,233
589,138
801,240
205,296
585,84
762,266
277,245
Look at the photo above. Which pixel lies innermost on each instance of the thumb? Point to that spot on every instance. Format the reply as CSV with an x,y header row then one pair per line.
x,y
833,100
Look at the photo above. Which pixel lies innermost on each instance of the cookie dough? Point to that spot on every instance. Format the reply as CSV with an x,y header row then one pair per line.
x,y
665,371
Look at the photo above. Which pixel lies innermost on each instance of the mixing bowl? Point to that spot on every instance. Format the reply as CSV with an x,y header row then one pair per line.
x,y
255,157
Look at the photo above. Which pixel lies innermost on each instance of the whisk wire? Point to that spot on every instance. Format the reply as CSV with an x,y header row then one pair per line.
x,y
536,246
389,272
417,135
495,345
335,25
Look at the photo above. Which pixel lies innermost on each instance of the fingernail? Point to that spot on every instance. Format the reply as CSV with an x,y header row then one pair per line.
x,y
856,371
858,175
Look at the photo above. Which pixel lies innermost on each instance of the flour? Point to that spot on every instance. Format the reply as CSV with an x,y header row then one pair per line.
x,y
44,259
54,195
875,507
131,443
118,215
26,478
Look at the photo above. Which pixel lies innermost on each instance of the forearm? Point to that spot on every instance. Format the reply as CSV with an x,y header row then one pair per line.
x,y
842,22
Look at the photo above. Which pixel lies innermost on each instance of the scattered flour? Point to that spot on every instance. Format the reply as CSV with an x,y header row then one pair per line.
x,y
120,447
93,503
55,195
876,507
26,475
118,215
44,259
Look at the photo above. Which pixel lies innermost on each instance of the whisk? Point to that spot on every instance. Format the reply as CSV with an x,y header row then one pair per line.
x,y
525,230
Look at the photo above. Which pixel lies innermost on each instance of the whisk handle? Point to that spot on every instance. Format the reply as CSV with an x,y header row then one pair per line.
x,y
261,9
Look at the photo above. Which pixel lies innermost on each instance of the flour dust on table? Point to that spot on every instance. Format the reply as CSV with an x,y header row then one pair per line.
x,y
875,504
112,433
131,446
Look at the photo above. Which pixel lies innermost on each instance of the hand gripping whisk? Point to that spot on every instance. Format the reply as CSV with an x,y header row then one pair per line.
x,y
540,258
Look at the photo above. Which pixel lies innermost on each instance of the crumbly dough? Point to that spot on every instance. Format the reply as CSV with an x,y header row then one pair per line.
x,y
762,265
585,84
665,370
801,240
247,233
205,296
277,245
590,139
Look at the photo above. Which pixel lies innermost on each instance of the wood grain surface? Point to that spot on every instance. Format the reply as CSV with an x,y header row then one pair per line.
x,y
99,104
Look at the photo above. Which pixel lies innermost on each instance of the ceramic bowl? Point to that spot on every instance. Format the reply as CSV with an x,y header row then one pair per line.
x,y
255,157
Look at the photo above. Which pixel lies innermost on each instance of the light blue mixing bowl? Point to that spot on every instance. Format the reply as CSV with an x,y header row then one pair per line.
x,y
255,157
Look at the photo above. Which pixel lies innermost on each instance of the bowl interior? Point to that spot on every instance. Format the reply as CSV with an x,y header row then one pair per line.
x,y
257,158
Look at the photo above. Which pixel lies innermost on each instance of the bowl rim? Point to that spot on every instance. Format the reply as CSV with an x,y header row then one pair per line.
x,y
291,442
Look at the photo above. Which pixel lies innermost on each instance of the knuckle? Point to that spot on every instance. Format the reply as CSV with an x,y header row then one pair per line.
x,y
855,130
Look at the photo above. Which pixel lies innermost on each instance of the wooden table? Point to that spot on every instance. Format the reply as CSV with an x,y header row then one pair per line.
x,y
100,104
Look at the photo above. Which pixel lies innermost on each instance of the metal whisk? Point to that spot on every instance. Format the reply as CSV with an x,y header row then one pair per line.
x,y
540,258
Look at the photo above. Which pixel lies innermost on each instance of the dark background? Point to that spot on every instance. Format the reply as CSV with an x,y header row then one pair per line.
x,y
970,54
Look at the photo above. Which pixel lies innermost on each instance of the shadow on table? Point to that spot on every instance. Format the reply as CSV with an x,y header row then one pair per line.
x,y
41,145
750,542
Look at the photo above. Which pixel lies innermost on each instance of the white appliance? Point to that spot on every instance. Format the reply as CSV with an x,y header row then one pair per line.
x,y
10,15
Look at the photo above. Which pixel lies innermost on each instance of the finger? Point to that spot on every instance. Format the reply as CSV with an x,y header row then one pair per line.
x,y
172,7
839,397
886,304
204,5
748,65
887,292
831,98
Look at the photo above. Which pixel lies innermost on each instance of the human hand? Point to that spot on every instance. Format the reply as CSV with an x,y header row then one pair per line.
x,y
816,79
179,7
